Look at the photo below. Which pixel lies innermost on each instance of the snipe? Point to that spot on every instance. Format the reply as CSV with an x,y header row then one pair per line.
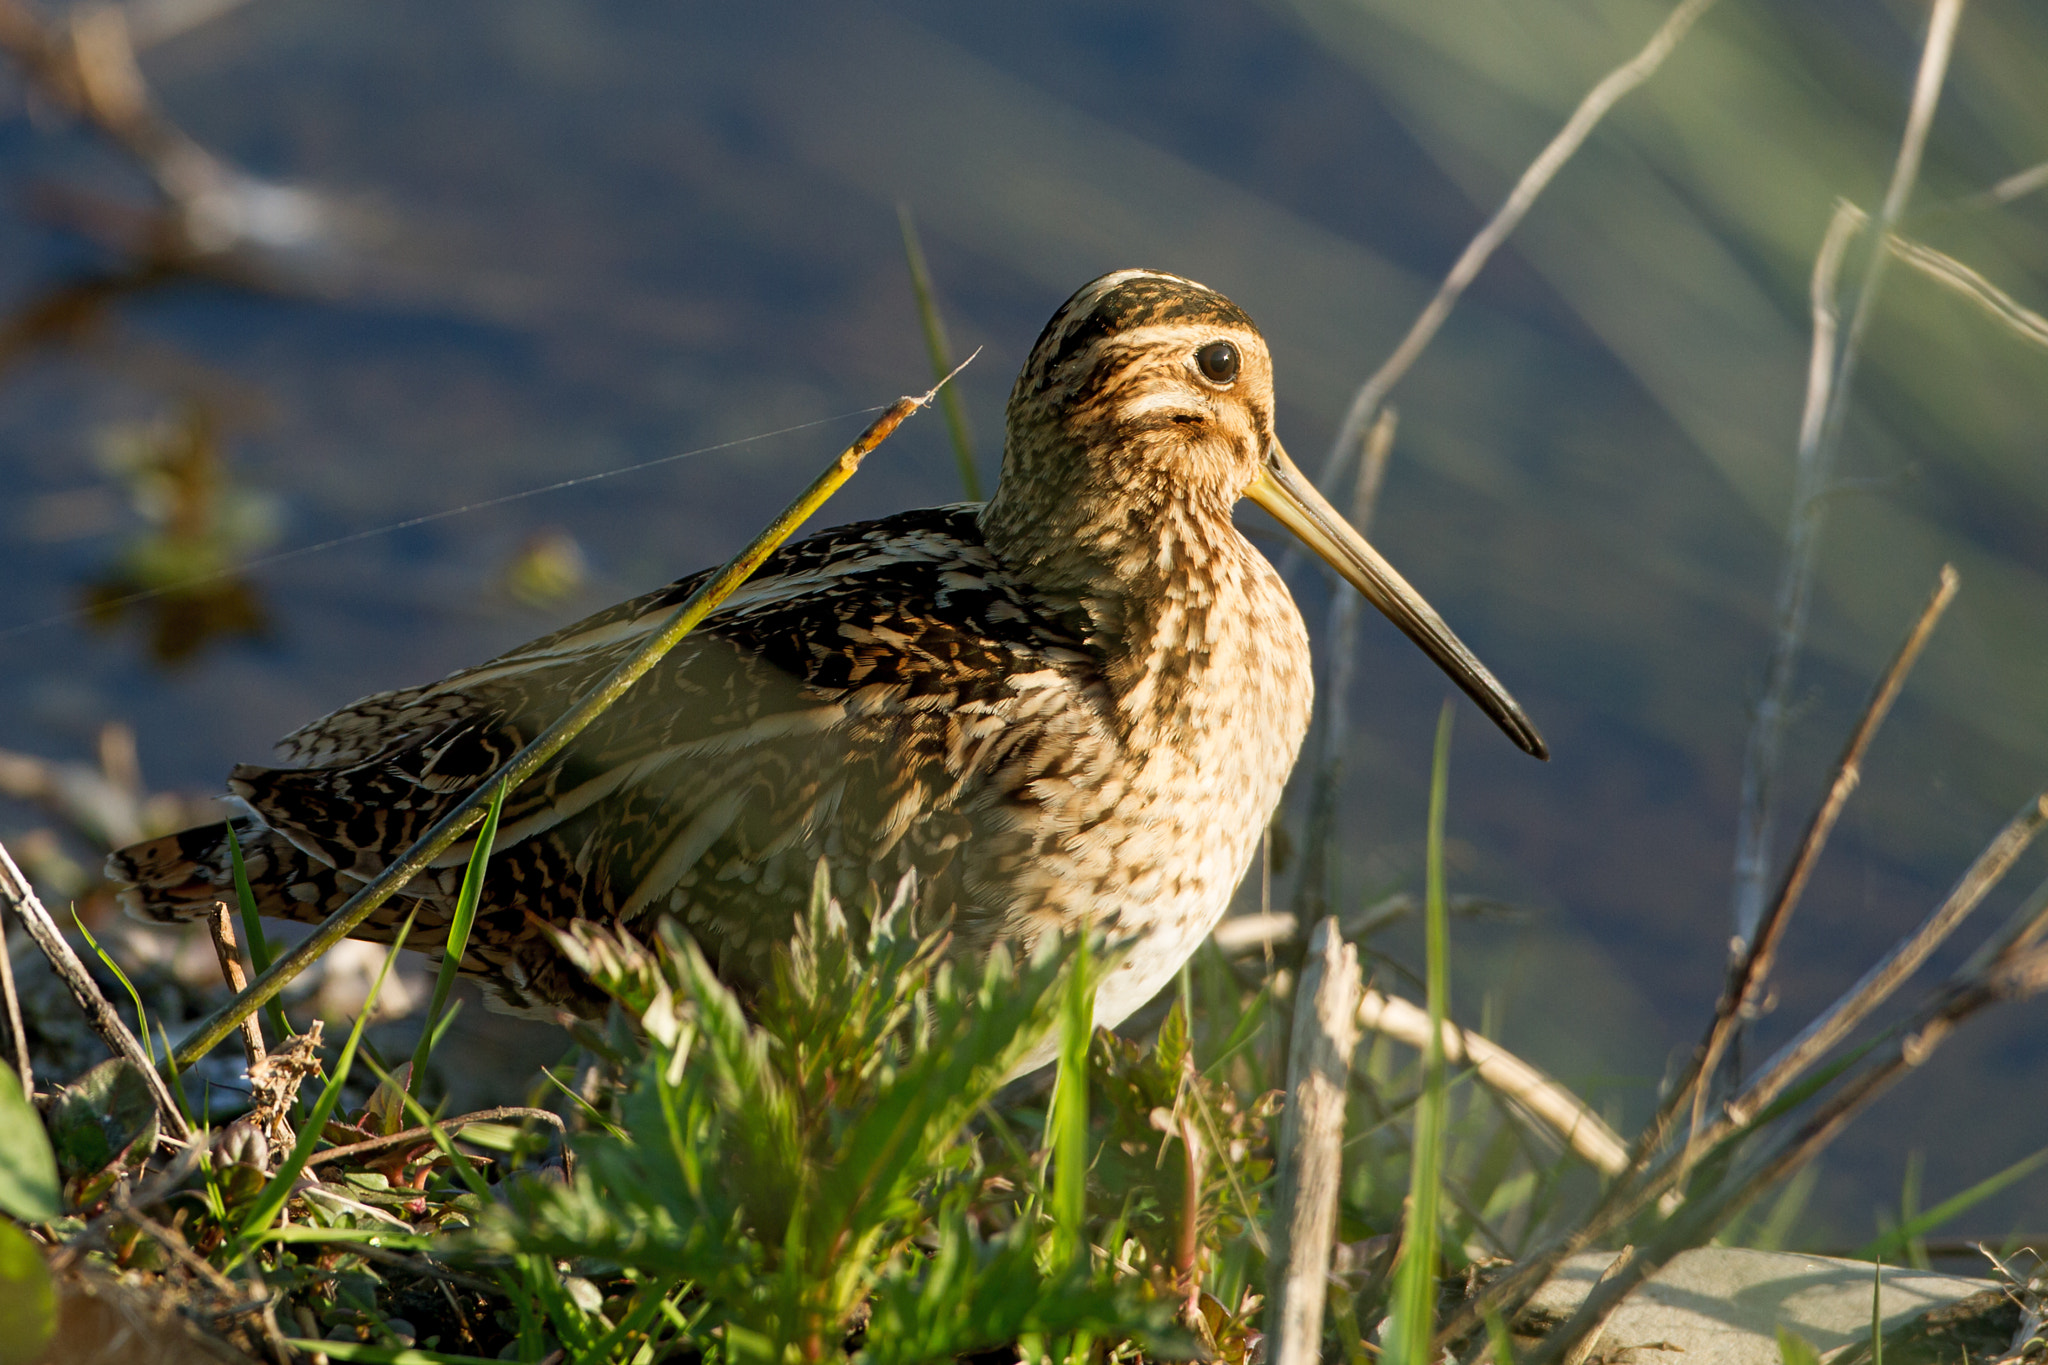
x,y
1077,702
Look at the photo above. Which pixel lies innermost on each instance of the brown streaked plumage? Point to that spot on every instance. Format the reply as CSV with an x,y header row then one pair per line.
x,y
1076,703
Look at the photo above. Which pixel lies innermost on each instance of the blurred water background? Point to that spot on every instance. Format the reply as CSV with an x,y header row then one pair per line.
x,y
513,242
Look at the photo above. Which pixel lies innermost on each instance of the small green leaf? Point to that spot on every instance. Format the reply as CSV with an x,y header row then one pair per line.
x,y
1067,1125
1794,1349
466,902
28,1168
28,1299
101,1115
1412,1321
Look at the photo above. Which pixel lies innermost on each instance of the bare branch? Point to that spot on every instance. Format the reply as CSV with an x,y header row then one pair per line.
x,y
221,927
1311,1144
1508,1075
1893,970
19,1036
21,897
1827,403
426,1134
1313,887
1750,971
1598,101
1945,269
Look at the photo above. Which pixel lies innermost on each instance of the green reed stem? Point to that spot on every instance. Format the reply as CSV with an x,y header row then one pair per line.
x,y
550,741
941,351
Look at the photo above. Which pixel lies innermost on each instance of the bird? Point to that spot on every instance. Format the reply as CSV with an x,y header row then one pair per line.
x,y
1072,707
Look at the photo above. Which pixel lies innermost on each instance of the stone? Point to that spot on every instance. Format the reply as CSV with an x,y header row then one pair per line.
x,y
1724,1306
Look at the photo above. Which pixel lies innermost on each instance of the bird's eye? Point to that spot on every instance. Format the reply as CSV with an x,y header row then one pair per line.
x,y
1217,361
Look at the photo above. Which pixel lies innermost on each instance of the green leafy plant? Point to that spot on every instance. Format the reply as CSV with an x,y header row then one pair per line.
x,y
29,1185
809,1176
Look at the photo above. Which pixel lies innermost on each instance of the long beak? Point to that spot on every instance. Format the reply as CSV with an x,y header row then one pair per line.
x,y
1294,502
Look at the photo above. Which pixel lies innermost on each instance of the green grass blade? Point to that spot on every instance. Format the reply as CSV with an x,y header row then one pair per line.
x,y
1067,1125
591,1112
1877,1313
458,937
1794,1349
469,811
176,1080
271,1199
142,1030
252,930
941,351
1250,1020
1894,1241
1412,1320
1502,1339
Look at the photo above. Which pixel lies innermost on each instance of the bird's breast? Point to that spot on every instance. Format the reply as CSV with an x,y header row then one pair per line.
x,y
1215,707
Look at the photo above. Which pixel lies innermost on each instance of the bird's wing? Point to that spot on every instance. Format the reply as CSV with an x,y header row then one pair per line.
x,y
877,695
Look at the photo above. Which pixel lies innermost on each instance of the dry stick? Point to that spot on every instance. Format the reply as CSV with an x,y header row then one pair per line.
x,y
1590,1338
91,72
1311,1144
1557,1108
1829,371
1601,98
1635,1191
1313,888
221,925
2012,976
1819,439
1946,270
1750,972
1637,1185
16,892
470,810
409,1135
2013,187
1895,967
1360,427
15,1030
2023,929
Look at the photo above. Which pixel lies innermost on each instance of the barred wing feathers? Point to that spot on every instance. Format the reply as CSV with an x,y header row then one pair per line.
x,y
880,696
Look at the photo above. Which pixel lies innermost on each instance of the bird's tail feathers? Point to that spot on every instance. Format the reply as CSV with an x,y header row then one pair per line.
x,y
181,876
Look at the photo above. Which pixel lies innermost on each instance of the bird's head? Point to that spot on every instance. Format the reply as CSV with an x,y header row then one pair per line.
x,y
1144,388
1147,402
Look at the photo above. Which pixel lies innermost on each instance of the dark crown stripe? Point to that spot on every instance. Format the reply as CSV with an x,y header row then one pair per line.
x,y
1140,301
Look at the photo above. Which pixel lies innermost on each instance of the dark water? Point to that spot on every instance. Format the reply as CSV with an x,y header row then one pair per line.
x,y
565,238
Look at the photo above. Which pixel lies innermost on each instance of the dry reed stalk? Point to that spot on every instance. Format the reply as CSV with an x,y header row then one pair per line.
x,y
1311,1145
1507,1075
1829,379
469,812
21,898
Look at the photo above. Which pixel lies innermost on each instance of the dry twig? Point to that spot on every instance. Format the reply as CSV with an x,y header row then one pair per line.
x,y
1591,109
1750,972
1311,1144
22,1064
18,894
425,1133
1557,1108
469,812
221,926
1830,375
